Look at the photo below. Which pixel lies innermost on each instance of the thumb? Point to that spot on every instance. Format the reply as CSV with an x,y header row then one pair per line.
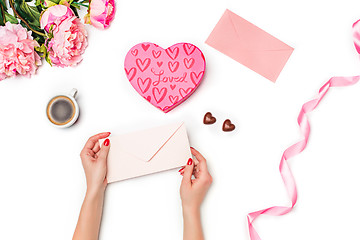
x,y
104,150
188,171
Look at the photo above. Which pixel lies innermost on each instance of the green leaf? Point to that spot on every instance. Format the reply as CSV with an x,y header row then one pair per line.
x,y
39,9
2,19
29,13
78,5
75,6
47,58
2,13
29,18
39,38
11,18
3,3
43,52
38,3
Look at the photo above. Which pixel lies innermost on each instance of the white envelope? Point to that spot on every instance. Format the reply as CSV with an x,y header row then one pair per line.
x,y
149,151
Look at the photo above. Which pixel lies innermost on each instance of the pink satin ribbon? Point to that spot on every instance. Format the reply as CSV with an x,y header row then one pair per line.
x,y
298,147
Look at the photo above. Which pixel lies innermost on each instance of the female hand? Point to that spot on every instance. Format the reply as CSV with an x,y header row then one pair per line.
x,y
193,191
94,161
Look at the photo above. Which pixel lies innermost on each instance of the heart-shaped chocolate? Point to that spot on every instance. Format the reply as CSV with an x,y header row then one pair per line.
x,y
228,126
209,119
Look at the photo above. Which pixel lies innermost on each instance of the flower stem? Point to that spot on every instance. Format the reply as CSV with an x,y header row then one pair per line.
x,y
18,15
81,4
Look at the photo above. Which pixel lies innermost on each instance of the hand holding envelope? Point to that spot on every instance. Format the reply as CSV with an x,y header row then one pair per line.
x,y
249,45
149,151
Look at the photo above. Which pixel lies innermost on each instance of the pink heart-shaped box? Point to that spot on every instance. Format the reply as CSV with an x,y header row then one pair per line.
x,y
165,77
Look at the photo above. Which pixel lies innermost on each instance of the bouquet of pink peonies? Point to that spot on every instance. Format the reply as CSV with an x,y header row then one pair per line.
x,y
49,29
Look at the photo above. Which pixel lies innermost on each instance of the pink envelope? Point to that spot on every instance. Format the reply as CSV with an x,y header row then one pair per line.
x,y
249,45
149,151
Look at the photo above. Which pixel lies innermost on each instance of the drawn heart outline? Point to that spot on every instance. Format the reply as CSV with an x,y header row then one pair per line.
x,y
130,73
165,77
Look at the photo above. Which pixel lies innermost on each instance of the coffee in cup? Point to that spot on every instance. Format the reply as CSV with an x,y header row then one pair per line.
x,y
62,110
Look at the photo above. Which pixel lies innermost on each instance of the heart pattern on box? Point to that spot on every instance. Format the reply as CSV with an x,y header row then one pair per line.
x,y
165,77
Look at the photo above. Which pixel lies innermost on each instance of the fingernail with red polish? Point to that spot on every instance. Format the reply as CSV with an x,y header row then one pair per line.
x,y
192,148
106,142
181,169
189,161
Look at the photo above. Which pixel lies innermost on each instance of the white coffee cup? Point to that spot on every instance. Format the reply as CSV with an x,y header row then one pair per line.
x,y
63,110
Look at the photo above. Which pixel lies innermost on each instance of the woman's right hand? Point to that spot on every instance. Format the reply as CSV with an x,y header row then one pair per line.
x,y
193,191
94,160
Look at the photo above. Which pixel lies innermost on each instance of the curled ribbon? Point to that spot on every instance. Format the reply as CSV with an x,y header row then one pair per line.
x,y
298,147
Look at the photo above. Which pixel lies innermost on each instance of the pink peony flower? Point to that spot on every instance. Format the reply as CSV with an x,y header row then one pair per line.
x,y
101,13
53,14
17,54
69,39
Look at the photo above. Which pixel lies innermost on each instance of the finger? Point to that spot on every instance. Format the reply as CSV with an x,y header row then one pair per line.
x,y
196,172
202,161
96,147
87,153
104,150
188,172
94,139
90,144
181,171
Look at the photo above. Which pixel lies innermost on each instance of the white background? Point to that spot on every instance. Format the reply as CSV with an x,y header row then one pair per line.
x,y
42,184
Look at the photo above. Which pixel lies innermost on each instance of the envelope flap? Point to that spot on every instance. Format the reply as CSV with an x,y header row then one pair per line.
x,y
145,144
254,38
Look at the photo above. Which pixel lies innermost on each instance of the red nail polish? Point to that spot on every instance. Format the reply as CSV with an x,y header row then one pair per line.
x,y
192,148
106,142
181,169
189,161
